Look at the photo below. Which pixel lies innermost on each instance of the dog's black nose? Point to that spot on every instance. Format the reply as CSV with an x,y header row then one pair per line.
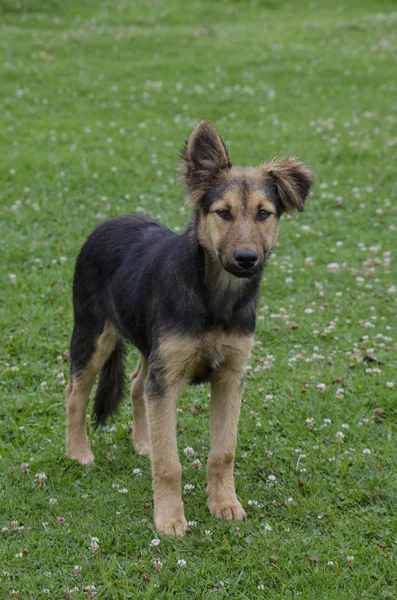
x,y
246,258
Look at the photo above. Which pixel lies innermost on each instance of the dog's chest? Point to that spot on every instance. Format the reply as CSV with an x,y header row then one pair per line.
x,y
197,358
208,356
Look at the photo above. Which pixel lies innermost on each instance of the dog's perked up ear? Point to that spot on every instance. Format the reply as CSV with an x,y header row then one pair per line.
x,y
292,181
204,157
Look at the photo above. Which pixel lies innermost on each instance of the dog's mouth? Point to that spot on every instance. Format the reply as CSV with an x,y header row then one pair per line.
x,y
237,271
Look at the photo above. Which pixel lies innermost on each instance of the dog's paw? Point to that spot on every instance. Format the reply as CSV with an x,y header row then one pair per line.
x,y
172,527
171,523
84,456
142,446
227,510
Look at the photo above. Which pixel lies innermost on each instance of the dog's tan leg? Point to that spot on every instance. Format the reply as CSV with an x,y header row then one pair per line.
x,y
161,402
78,396
140,435
77,399
226,391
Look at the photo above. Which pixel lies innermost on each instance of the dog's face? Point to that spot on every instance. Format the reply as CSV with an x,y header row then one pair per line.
x,y
238,208
238,224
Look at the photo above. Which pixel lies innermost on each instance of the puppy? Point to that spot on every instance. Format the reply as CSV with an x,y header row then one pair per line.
x,y
188,303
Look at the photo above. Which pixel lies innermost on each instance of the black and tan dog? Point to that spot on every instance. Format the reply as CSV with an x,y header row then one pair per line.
x,y
188,303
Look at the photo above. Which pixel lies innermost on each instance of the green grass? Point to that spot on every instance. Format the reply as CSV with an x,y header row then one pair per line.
x,y
96,99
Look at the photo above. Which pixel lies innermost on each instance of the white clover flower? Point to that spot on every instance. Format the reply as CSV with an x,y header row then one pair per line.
x,y
321,387
333,267
366,452
189,487
181,563
154,543
94,544
188,451
40,478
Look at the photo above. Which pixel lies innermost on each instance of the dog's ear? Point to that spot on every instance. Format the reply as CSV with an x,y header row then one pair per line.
x,y
292,182
204,156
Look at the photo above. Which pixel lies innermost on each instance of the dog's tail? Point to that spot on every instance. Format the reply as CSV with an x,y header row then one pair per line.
x,y
111,385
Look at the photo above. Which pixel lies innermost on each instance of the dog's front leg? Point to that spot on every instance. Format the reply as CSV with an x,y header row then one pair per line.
x,y
161,399
226,391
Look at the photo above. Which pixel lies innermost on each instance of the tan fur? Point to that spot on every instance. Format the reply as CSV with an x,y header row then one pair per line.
x,y
78,395
169,514
140,436
182,357
226,390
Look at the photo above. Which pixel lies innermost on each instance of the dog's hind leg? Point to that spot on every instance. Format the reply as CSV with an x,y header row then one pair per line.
x,y
140,435
88,356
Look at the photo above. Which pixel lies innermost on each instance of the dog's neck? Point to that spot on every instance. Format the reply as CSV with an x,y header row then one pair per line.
x,y
224,289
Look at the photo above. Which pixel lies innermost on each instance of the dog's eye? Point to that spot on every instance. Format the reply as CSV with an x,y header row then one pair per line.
x,y
224,214
263,214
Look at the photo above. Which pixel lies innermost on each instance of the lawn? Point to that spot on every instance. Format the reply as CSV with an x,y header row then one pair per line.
x,y
96,100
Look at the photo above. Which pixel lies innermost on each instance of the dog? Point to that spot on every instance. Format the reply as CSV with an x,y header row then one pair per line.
x,y
187,302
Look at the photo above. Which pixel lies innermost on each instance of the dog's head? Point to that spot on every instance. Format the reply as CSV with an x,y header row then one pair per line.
x,y
238,208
